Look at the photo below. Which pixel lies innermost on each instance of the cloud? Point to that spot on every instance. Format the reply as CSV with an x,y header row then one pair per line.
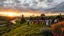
x,y
30,4
58,8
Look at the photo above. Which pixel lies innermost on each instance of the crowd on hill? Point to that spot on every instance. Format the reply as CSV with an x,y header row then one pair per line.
x,y
44,20
47,20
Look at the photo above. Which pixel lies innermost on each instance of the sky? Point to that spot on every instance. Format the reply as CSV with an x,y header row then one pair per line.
x,y
35,5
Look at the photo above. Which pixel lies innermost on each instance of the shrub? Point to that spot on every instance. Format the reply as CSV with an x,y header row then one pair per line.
x,y
57,28
46,32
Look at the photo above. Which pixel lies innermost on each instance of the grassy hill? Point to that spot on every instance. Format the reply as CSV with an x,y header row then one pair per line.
x,y
27,30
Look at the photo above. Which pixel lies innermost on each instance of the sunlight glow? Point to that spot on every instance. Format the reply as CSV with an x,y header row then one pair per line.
x,y
10,14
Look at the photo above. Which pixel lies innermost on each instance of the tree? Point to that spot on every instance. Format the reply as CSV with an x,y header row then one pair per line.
x,y
42,16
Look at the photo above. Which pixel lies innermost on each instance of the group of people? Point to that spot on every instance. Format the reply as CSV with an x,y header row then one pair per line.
x,y
44,20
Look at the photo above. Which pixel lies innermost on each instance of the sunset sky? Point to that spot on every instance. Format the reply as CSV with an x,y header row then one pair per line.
x,y
33,6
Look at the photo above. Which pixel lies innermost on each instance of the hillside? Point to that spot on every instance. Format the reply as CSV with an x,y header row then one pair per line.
x,y
26,30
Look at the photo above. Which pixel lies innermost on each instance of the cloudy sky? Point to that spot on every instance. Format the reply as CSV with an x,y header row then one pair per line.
x,y
39,5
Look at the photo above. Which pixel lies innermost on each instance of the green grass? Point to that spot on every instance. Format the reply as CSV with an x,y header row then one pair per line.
x,y
2,29
25,29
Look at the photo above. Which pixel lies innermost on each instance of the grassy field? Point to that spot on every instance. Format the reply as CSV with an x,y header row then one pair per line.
x,y
27,30
23,29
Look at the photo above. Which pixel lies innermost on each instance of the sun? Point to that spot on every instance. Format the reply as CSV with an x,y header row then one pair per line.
x,y
11,14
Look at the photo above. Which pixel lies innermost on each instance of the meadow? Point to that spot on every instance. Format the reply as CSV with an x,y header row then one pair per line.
x,y
23,28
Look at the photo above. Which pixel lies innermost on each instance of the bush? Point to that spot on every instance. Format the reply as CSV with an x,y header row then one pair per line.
x,y
57,28
46,32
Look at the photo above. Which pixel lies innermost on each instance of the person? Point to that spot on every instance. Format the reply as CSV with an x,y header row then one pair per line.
x,y
28,22
37,20
23,19
47,22
43,20
31,19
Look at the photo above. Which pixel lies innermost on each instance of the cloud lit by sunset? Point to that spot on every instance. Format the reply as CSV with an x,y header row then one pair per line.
x,y
26,13
31,7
